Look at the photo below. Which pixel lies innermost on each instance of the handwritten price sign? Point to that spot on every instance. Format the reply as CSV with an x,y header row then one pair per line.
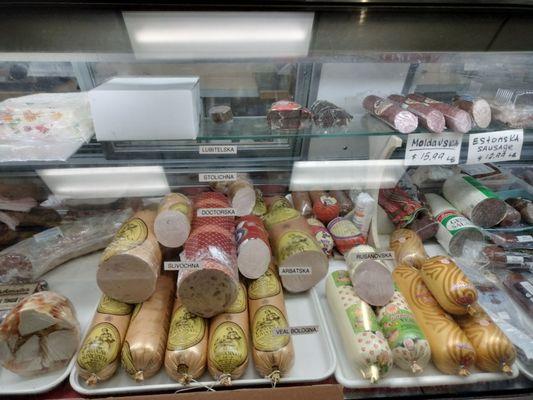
x,y
495,146
431,149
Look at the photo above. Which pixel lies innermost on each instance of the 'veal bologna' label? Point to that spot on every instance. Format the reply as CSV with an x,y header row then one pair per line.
x,y
100,348
228,347
265,320
383,255
295,271
186,330
267,285
217,177
111,306
216,212
181,265
217,149
296,330
495,146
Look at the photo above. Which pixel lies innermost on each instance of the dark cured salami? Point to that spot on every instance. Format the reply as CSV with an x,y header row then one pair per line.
x,y
430,118
391,113
456,119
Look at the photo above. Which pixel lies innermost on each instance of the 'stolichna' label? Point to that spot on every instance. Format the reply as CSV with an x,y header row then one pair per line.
x,y
239,305
132,234
111,306
265,321
186,330
100,348
229,347
266,285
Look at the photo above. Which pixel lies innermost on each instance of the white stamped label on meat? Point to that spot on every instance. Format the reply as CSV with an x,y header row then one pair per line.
x,y
514,259
295,271
217,149
524,238
296,330
216,212
49,234
384,255
181,265
217,177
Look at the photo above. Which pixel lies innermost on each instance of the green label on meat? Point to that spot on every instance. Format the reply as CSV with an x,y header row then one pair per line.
x,y
399,327
483,189
362,318
454,222
341,278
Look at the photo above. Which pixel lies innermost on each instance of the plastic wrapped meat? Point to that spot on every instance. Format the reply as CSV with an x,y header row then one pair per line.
x,y
26,261
39,335
287,115
327,115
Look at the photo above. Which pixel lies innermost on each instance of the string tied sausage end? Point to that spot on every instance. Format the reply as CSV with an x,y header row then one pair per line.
x,y
275,377
92,380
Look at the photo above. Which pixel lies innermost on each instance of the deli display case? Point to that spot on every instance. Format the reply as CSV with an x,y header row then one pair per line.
x,y
322,199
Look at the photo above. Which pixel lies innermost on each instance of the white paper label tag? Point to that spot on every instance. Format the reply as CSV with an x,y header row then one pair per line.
x,y
216,212
514,259
217,177
529,288
384,255
431,149
295,271
49,234
296,330
476,169
181,265
495,146
217,149
524,238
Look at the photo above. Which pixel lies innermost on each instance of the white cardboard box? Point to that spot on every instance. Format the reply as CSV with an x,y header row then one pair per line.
x,y
146,108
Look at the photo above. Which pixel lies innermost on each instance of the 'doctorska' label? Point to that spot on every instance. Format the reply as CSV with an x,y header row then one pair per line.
x,y
295,242
186,330
239,305
111,306
133,233
265,321
228,348
100,348
267,285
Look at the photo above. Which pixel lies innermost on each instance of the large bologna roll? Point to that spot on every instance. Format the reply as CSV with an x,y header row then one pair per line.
x,y
99,355
452,352
227,350
213,287
186,354
364,344
449,285
173,222
241,192
130,265
144,348
295,246
212,200
253,248
495,353
273,355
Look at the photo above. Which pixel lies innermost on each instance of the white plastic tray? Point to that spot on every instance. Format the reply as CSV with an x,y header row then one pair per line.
x,y
314,358
75,280
349,377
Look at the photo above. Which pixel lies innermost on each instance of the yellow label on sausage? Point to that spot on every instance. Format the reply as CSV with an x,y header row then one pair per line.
x,y
295,242
239,305
228,348
181,207
267,285
280,215
111,306
100,348
131,234
265,320
127,360
186,330
136,311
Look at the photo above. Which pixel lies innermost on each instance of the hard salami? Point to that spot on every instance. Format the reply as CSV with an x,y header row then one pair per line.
x,y
130,265
456,119
478,109
430,118
391,113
